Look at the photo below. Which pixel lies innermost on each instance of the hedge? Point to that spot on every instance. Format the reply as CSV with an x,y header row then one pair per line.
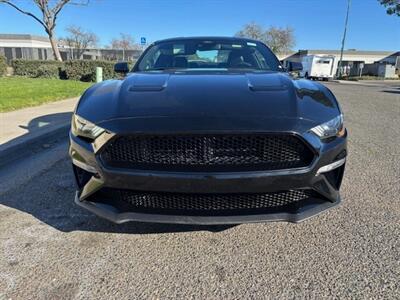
x,y
50,71
36,68
85,70
3,65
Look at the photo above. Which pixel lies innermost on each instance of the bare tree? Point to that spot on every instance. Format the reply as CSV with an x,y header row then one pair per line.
x,y
278,39
252,31
125,42
392,6
50,11
79,40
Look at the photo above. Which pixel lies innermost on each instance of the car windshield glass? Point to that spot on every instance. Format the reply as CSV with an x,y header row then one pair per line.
x,y
205,54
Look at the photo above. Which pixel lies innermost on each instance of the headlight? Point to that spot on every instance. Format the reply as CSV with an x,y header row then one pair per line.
x,y
331,128
84,128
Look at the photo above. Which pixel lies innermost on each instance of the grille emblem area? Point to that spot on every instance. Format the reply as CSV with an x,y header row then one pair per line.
x,y
219,152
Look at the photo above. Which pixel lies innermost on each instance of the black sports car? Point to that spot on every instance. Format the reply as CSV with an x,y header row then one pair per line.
x,y
208,131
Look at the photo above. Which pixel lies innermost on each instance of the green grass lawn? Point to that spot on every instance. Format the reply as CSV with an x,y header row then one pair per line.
x,y
19,92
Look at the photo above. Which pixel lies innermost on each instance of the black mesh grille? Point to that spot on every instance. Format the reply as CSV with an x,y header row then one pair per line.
x,y
208,152
194,204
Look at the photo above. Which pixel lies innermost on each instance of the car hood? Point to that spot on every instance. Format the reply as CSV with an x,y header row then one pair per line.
x,y
207,100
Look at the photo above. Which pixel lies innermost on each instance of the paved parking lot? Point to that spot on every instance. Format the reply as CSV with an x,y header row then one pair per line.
x,y
52,249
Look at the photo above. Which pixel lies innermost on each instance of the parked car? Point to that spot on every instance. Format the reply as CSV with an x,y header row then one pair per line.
x,y
318,67
207,130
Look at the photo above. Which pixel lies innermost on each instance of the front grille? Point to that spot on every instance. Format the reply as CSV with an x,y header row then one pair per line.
x,y
202,204
208,152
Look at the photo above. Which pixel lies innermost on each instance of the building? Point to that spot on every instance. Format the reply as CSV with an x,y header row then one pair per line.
x,y
27,46
102,53
356,62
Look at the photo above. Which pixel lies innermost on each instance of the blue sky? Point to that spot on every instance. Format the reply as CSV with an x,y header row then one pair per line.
x,y
318,24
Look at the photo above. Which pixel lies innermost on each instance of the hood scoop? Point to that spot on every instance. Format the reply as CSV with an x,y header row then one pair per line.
x,y
265,82
148,83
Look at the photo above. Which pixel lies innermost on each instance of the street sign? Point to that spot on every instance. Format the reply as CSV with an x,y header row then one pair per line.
x,y
143,40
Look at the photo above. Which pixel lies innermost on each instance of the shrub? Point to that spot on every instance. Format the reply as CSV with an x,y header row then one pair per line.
x,y
3,65
85,70
48,71
36,68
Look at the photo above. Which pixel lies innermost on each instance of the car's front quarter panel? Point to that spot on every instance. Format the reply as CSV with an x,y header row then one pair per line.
x,y
316,102
100,101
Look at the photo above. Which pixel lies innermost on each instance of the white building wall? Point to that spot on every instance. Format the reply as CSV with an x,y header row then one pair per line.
x,y
24,43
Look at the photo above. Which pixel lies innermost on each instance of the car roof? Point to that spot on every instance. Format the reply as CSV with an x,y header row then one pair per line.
x,y
209,38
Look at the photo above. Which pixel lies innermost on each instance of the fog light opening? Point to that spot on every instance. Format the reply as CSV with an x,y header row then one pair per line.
x,y
82,175
335,177
331,166
84,166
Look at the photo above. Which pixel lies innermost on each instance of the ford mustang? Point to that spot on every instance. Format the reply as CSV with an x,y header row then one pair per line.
x,y
207,130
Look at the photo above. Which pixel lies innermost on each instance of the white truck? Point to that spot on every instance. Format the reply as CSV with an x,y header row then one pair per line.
x,y
318,67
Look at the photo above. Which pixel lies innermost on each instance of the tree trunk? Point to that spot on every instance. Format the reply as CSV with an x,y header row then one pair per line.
x,y
56,52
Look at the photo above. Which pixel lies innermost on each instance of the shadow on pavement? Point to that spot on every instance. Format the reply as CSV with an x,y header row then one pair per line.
x,y
100,225
40,131
392,91
47,120
49,197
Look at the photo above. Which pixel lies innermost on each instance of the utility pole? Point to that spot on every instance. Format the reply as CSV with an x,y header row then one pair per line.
x,y
344,38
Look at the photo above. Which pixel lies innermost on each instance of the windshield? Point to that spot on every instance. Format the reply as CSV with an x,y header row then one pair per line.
x,y
208,54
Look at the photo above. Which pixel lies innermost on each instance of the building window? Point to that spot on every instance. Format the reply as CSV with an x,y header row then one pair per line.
x,y
40,54
18,53
8,54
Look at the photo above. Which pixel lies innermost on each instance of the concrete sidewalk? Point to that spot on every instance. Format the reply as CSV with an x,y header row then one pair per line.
x,y
23,129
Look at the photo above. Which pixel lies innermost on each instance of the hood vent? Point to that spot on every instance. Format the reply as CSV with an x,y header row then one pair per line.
x,y
146,88
148,82
267,82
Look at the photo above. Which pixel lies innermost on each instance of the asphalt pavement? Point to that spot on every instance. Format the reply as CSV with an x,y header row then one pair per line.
x,y
52,249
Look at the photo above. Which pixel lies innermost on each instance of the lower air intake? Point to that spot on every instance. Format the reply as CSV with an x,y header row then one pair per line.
x,y
194,204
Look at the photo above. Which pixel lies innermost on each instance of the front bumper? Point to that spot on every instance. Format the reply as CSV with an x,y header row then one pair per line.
x,y
325,187
112,214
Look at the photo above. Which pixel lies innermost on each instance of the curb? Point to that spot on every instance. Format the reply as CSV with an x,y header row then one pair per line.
x,y
362,83
346,82
33,144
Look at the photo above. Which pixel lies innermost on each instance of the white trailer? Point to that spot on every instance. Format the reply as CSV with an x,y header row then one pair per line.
x,y
318,67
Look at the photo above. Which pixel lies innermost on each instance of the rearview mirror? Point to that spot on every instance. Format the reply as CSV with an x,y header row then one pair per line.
x,y
121,67
294,66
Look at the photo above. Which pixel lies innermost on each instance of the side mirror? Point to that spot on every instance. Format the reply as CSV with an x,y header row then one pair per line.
x,y
294,66
121,67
